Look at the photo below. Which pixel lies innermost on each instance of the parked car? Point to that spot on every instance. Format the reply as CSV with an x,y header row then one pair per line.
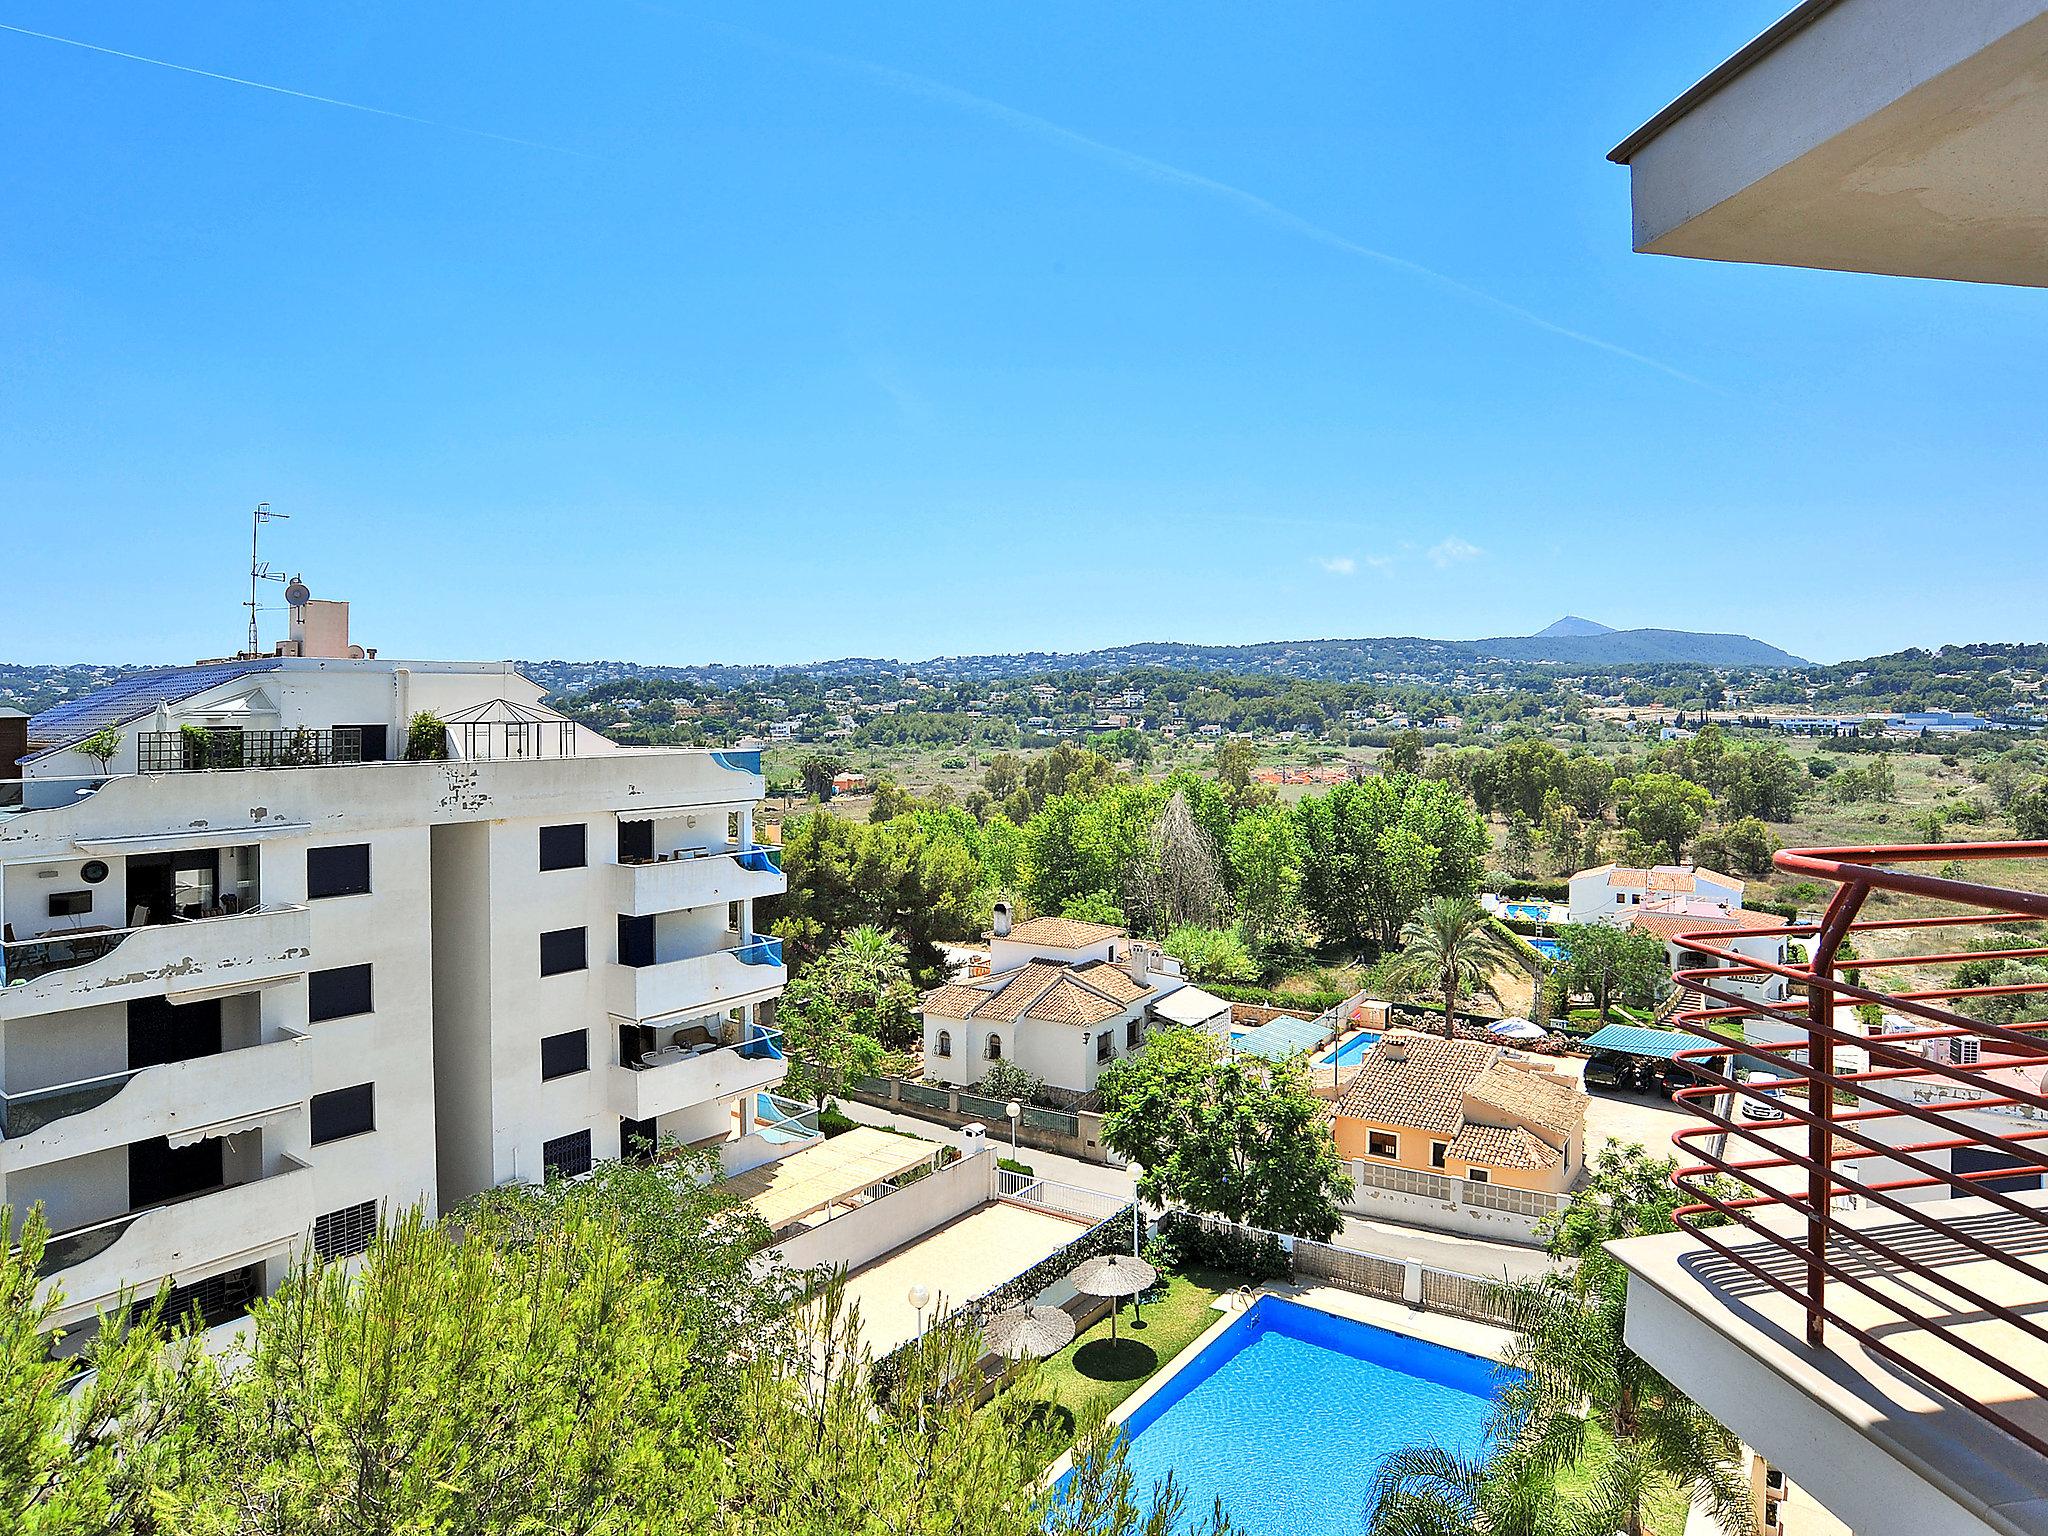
x,y
1760,1097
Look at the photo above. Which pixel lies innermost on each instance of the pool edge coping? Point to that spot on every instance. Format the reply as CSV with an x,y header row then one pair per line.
x,y
1298,1295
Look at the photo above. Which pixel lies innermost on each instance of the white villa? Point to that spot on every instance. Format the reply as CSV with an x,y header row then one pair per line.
x,y
1062,999
1607,894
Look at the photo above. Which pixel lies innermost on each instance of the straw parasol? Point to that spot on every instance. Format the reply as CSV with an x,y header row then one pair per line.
x,y
1029,1332
1114,1275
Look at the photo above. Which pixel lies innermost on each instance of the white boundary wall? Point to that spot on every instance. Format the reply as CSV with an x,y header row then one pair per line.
x,y
1444,1204
902,1216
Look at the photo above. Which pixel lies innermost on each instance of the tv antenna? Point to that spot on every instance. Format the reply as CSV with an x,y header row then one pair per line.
x,y
259,570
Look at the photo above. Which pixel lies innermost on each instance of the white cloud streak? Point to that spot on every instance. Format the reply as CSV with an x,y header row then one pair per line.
x,y
283,90
1339,565
1172,175
1452,551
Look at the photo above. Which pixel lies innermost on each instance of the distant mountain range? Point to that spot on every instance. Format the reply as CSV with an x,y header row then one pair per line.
x,y
1570,642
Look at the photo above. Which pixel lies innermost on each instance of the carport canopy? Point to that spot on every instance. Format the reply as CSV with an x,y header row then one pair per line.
x,y
1638,1040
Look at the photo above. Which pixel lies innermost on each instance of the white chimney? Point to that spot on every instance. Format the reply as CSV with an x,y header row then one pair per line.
x,y
973,1138
1138,963
999,921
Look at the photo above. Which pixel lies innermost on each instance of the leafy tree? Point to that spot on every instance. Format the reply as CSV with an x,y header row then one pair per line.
x,y
1373,852
1452,949
1663,811
1211,954
1006,1080
1520,846
84,1452
1426,1490
1095,907
1403,754
826,1052
453,1385
1264,859
2029,812
1743,846
918,876
685,1230
1003,776
1237,1136
1232,763
1602,961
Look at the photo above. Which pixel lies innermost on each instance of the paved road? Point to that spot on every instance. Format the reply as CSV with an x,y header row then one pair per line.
x,y
1467,1255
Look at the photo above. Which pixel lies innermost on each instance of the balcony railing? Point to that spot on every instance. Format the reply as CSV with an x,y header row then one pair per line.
x,y
759,951
1879,1184
24,960
199,750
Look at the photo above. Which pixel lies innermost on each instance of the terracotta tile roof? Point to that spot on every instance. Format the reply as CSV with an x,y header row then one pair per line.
x,y
1499,1146
1417,1080
1062,933
1047,990
1437,1086
1669,925
1535,1097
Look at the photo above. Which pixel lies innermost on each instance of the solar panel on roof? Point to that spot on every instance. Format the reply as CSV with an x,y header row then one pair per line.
x,y
62,724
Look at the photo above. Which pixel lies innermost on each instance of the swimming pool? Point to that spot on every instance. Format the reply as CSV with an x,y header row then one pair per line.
x,y
1527,911
1287,1414
1350,1053
1547,948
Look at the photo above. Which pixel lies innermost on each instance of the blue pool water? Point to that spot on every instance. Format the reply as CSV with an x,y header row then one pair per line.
x,y
1547,948
1287,1414
1350,1053
1528,911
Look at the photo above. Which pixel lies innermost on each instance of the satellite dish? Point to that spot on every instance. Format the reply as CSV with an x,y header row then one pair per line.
x,y
298,594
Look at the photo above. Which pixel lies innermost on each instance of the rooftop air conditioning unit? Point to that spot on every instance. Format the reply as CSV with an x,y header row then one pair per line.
x,y
1963,1050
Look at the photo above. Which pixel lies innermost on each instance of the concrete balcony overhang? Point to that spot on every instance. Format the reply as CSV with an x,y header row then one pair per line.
x,y
181,1242
184,961
1891,136
182,1101
678,988
1869,1441
676,885
641,1093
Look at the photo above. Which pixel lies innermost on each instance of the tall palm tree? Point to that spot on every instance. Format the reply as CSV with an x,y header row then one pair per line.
x,y
871,957
1451,948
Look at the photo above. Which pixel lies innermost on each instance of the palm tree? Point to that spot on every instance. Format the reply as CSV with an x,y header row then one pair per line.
x,y
871,957
1451,948
1581,1384
1430,1491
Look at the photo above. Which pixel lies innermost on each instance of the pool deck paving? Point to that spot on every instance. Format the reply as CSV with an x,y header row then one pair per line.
x,y
958,1262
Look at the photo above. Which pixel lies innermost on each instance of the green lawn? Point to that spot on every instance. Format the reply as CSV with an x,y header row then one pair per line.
x,y
1664,1512
1093,1373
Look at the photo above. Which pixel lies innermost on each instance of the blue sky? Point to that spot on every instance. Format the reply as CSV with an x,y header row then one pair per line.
x,y
686,333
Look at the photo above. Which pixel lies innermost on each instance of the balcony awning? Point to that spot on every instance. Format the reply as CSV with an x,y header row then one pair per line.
x,y
197,1133
203,837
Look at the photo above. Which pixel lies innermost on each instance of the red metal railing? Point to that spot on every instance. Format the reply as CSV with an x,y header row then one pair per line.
x,y
1881,1094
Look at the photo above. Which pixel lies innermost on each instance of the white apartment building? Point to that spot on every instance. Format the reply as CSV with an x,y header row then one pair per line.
x,y
264,978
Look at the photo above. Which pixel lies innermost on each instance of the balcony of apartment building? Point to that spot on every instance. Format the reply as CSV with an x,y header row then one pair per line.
x,y
94,1078
662,1068
692,859
175,1209
1860,1285
685,964
182,922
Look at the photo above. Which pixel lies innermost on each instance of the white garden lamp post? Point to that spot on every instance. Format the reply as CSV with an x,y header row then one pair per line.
x,y
1014,1110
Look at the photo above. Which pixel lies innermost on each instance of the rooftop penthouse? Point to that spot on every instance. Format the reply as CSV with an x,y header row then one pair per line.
x,y
294,939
